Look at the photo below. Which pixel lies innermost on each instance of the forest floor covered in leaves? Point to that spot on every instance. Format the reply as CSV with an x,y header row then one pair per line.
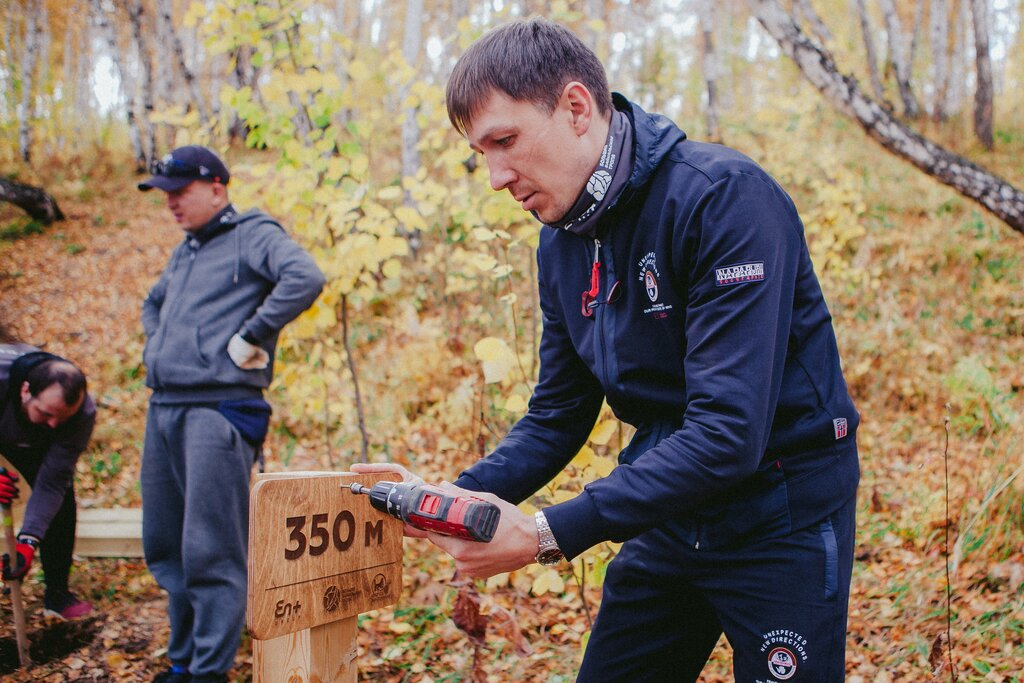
x,y
933,348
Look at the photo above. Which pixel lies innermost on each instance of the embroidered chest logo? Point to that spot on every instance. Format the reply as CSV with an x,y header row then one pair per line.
x,y
649,275
839,425
739,273
651,285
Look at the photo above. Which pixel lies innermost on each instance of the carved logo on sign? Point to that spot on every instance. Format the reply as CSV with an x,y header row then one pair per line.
x,y
380,586
332,598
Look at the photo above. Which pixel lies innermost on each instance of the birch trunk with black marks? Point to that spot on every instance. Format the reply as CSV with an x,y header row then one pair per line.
x,y
165,16
125,78
148,131
166,94
817,65
43,101
412,41
960,60
34,201
242,75
869,49
983,61
709,63
915,36
899,57
804,12
983,67
29,55
938,31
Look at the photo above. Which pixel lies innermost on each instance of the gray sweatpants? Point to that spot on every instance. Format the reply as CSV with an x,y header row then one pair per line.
x,y
195,499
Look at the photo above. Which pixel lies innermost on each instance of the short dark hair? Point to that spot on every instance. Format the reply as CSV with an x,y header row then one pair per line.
x,y
528,60
55,371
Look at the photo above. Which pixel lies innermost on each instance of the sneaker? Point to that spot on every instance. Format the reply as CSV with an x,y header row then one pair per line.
x,y
64,605
172,676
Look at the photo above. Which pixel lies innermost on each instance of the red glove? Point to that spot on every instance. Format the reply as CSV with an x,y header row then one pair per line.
x,y
25,550
8,486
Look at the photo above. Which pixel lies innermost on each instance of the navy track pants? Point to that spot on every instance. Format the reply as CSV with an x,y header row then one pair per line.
x,y
781,602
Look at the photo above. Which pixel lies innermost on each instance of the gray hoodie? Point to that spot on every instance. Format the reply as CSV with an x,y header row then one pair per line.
x,y
241,274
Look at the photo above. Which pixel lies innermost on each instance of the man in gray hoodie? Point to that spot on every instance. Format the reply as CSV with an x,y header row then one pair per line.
x,y
212,322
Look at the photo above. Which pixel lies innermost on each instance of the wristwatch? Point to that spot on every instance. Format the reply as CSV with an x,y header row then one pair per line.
x,y
29,540
548,553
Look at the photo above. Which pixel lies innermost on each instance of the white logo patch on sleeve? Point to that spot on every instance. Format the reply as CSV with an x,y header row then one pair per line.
x,y
739,273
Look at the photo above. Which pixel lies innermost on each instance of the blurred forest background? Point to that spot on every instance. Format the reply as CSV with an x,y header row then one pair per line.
x,y
897,126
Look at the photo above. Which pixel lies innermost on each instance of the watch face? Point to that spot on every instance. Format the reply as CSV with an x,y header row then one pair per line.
x,y
549,557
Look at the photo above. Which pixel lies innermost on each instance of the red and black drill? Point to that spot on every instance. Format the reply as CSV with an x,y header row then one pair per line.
x,y
431,509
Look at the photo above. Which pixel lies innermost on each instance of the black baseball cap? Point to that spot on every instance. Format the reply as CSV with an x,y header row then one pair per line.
x,y
184,165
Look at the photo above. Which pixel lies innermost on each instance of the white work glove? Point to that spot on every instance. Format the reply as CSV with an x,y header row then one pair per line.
x,y
247,356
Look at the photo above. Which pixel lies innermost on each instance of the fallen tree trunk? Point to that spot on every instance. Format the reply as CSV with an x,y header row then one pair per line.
x,y
32,200
817,65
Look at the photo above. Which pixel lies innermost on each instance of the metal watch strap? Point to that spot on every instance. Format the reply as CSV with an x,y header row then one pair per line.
x,y
548,552
29,540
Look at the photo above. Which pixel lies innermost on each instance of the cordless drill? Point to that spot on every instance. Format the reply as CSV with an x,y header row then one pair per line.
x,y
431,509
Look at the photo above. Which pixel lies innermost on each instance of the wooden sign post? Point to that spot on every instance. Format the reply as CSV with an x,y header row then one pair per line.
x,y
319,555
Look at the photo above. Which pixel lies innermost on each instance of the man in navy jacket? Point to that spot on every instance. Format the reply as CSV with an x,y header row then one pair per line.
x,y
676,284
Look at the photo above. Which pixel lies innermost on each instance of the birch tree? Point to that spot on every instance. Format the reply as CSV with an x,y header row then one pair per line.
x,y
869,49
959,60
141,41
165,93
243,75
29,54
915,35
938,30
804,12
983,66
411,46
817,65
125,78
900,57
166,17
709,63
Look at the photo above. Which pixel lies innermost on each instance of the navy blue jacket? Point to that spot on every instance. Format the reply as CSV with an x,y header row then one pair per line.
x,y
719,329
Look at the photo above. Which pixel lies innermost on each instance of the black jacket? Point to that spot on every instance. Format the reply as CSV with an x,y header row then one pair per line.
x,y
53,451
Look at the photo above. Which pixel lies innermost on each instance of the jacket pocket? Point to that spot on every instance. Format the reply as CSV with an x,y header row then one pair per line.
x,y
181,360
831,548
754,515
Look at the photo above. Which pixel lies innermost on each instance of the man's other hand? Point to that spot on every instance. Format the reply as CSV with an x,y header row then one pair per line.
x,y
8,486
247,356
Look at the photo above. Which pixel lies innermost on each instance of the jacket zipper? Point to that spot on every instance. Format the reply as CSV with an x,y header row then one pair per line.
x,y
595,288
